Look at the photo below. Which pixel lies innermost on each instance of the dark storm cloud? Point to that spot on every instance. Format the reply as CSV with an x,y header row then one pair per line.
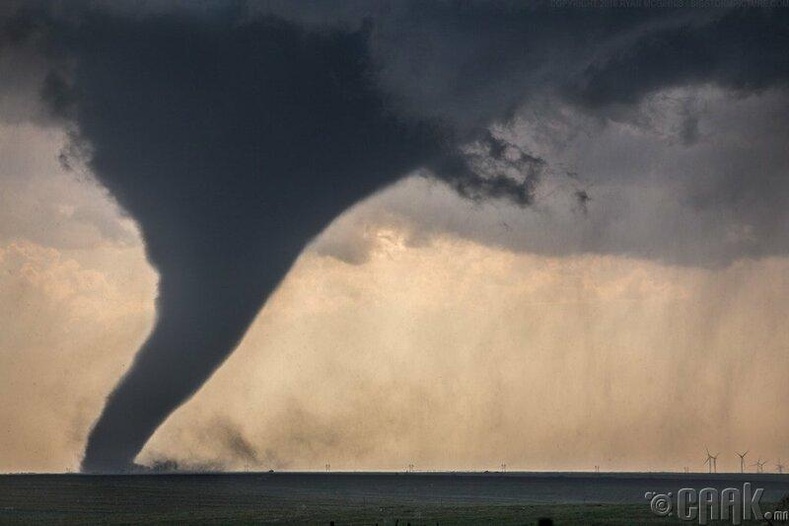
x,y
742,49
491,168
233,135
640,191
464,62
22,66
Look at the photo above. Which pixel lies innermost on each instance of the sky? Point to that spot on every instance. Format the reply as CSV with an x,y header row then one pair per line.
x,y
572,255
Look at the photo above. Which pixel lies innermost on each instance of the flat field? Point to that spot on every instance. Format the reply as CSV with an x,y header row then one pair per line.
x,y
355,498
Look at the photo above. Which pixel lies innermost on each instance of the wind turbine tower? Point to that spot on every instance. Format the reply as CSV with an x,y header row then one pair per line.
x,y
712,461
742,460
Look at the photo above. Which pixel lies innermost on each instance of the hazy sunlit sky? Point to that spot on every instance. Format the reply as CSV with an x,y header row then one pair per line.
x,y
629,331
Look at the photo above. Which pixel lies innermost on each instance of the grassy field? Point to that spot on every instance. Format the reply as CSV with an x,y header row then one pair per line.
x,y
342,514
230,499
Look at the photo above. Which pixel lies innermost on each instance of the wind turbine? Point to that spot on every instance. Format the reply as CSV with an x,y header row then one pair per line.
x,y
709,461
712,460
742,460
759,465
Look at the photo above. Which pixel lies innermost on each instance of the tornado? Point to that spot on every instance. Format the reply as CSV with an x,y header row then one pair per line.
x,y
231,147
234,139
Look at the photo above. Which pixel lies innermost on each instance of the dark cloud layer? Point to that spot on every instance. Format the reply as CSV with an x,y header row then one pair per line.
x,y
491,168
741,49
234,134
